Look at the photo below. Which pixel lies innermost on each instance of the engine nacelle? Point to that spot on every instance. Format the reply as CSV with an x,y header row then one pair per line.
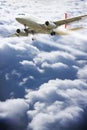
x,y
50,25
21,33
18,31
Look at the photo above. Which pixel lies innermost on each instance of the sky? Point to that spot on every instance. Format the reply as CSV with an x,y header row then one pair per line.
x,y
43,83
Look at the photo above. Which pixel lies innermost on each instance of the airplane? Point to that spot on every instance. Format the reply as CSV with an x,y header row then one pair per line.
x,y
48,27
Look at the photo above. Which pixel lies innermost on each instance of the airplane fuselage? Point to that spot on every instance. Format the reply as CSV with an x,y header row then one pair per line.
x,y
33,25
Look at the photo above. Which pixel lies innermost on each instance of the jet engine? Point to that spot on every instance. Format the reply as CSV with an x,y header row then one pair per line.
x,y
50,25
18,31
21,32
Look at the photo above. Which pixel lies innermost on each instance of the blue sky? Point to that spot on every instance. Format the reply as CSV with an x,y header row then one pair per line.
x,y
43,83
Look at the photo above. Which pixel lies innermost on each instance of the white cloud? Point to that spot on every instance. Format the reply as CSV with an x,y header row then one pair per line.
x,y
24,80
14,111
54,66
7,76
55,118
82,73
13,107
53,56
27,63
58,102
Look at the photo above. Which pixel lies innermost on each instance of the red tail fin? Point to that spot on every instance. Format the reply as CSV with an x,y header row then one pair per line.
x,y
66,18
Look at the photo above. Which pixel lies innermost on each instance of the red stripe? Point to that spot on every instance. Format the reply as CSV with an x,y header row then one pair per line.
x,y
65,18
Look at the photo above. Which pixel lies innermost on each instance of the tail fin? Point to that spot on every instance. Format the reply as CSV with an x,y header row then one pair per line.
x,y
66,18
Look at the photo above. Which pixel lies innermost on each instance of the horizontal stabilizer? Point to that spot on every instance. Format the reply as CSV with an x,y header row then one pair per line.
x,y
75,29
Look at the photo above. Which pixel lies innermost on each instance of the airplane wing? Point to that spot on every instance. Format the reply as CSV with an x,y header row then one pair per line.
x,y
70,20
33,27
18,35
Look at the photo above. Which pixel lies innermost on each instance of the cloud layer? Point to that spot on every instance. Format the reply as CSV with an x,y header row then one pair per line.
x,y
43,84
58,104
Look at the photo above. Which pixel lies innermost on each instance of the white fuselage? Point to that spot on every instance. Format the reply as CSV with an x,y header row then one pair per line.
x,y
34,25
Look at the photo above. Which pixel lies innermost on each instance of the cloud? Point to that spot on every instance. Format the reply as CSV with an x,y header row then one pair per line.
x,y
54,60
13,114
82,73
54,66
27,63
7,76
25,80
53,56
57,104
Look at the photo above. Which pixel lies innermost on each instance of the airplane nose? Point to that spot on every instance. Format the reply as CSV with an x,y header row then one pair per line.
x,y
18,19
21,20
